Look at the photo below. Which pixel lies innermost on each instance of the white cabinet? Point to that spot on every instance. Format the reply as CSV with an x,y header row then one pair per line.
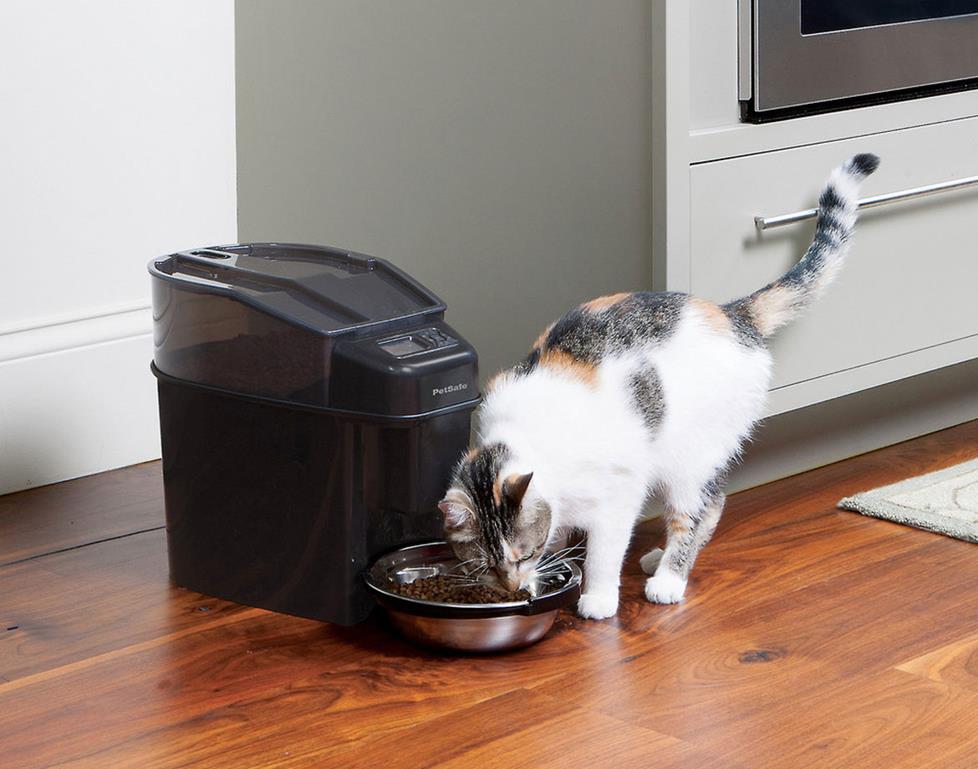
x,y
907,300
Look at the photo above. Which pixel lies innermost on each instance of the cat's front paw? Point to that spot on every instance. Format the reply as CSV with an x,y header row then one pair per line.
x,y
665,587
597,605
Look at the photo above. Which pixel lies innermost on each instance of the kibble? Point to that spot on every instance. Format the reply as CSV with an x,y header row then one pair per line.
x,y
447,590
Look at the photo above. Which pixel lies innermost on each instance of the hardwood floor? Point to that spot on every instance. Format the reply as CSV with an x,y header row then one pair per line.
x,y
810,637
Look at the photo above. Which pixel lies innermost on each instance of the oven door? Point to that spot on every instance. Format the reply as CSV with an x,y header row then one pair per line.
x,y
814,53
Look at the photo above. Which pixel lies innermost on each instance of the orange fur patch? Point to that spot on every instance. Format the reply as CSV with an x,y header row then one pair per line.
x,y
773,308
678,527
714,316
604,302
497,491
567,364
542,339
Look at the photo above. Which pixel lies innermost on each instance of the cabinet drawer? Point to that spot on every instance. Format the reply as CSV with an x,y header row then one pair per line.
x,y
910,282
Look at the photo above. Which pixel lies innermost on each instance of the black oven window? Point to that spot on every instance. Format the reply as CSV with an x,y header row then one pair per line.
x,y
837,15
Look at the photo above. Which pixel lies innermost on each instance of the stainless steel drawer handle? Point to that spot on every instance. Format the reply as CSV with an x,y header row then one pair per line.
x,y
767,222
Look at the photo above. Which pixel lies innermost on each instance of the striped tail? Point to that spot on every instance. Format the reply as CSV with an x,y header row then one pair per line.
x,y
777,303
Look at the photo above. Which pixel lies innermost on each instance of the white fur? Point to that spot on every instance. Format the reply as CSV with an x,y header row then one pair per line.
x,y
594,461
665,587
598,605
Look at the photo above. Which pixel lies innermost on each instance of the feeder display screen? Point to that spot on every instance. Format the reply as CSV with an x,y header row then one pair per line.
x,y
403,346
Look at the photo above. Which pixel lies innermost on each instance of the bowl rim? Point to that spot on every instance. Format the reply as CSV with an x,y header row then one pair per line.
x,y
550,601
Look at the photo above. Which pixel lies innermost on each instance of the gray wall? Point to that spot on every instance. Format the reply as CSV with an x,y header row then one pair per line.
x,y
497,150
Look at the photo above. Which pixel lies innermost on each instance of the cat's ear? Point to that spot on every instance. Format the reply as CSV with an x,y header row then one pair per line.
x,y
456,508
515,486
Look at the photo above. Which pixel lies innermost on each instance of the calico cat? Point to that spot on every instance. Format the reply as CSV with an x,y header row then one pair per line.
x,y
625,396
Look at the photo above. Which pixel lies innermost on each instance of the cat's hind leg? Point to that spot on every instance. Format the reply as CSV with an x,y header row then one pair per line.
x,y
691,523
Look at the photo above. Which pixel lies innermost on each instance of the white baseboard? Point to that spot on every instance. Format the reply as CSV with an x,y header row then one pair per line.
x,y
76,397
103,324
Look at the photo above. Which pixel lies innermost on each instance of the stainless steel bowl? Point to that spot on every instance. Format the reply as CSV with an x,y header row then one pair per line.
x,y
481,627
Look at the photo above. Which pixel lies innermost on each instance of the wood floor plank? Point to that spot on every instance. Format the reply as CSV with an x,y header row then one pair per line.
x,y
141,703
521,728
955,664
810,637
908,600
874,722
87,601
741,662
73,513
741,568
258,687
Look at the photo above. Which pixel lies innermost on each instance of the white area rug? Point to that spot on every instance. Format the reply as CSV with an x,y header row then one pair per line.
x,y
945,501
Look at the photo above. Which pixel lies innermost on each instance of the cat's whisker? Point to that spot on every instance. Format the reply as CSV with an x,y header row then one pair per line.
x,y
554,573
560,555
460,566
551,558
566,559
558,566
565,549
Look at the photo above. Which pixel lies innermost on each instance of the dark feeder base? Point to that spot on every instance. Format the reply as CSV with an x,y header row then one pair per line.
x,y
284,507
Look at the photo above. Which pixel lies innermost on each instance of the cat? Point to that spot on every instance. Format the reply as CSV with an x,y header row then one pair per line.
x,y
625,396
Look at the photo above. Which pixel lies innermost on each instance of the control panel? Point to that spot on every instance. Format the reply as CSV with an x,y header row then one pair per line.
x,y
416,342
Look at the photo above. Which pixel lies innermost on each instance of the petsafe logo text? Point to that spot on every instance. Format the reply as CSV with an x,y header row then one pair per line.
x,y
453,388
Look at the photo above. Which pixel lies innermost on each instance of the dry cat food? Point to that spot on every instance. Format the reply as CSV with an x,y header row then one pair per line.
x,y
448,590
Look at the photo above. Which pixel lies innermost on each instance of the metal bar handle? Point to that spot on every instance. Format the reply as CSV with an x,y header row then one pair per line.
x,y
767,222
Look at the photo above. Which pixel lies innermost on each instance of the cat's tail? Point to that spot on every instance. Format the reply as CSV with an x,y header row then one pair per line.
x,y
777,303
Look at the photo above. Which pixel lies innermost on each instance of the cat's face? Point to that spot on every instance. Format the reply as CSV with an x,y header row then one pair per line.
x,y
491,522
